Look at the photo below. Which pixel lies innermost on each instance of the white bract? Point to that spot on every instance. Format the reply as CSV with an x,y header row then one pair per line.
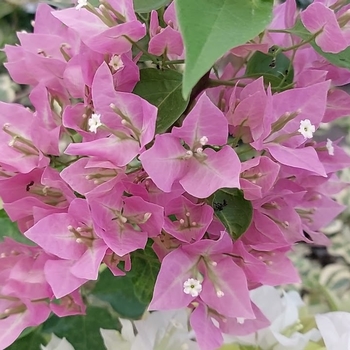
x,y
114,340
57,344
160,330
335,329
282,312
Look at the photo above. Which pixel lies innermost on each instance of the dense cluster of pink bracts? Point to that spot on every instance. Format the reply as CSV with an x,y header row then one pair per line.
x,y
87,180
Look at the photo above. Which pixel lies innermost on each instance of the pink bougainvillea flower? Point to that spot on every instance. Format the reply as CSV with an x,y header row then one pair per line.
x,y
218,281
338,105
187,221
253,106
129,122
18,151
318,18
21,314
208,336
124,223
29,197
39,59
83,177
60,278
24,289
164,40
258,176
69,305
99,36
72,238
184,155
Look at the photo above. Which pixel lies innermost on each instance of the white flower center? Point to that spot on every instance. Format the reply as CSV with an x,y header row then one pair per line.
x,y
330,148
188,155
116,62
94,122
307,129
203,140
193,287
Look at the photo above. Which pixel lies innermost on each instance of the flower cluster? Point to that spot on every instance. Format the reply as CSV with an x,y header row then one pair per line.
x,y
221,195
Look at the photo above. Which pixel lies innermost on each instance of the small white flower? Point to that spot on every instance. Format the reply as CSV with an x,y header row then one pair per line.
x,y
94,122
330,147
306,128
81,4
193,287
116,62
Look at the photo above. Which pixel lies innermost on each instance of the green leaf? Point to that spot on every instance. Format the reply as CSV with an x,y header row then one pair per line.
x,y
162,88
9,229
212,27
340,59
144,6
145,268
120,293
233,210
83,332
95,3
276,70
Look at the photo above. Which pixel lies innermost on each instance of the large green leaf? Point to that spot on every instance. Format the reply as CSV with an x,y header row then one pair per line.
x,y
9,229
212,27
145,268
120,293
340,59
233,210
276,70
143,6
162,88
83,332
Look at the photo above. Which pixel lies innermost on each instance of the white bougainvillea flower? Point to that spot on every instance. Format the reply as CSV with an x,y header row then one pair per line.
x,y
57,344
193,287
282,310
307,129
94,122
114,340
335,329
160,330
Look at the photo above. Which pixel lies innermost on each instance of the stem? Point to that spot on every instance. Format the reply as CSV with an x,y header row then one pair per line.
x,y
329,299
300,44
167,63
218,82
285,31
145,52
